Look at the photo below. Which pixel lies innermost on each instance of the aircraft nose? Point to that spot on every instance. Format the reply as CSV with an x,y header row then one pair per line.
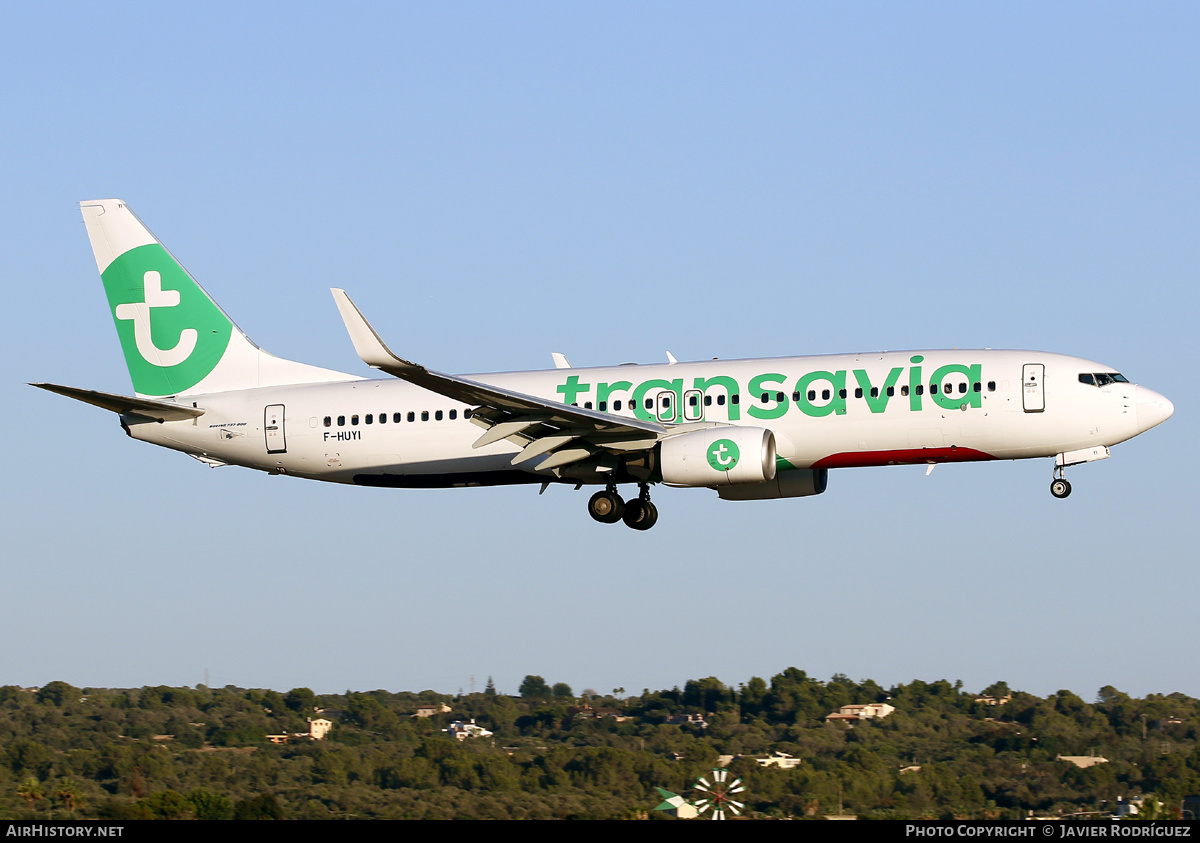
x,y
1152,408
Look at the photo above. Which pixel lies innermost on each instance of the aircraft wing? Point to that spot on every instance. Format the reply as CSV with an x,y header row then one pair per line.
x,y
162,411
561,432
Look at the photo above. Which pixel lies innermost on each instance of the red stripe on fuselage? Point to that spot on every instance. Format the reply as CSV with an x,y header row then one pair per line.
x,y
906,456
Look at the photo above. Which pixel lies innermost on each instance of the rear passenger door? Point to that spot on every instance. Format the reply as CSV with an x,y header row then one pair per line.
x,y
273,429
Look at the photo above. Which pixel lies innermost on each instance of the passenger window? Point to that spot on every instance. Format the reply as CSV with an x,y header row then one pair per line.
x,y
904,390
354,419
649,403
328,421
858,392
720,400
453,415
437,416
795,396
765,398
891,390
874,392
616,406
920,389
604,406
991,386
735,398
812,395
370,419
977,386
467,414
707,400
341,421
778,396
842,394
383,418
693,401
962,389
933,389
424,415
825,394
587,405
397,418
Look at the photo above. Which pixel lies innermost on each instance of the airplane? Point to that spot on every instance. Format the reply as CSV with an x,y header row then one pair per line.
x,y
753,429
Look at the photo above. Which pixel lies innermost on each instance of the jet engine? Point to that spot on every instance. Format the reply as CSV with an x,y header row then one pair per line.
x,y
718,456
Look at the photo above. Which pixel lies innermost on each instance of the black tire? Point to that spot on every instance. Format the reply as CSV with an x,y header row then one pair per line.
x,y
606,507
651,516
635,513
1060,488
640,514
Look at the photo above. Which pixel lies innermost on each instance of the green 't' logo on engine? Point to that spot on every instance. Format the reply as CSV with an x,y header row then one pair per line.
x,y
170,330
723,454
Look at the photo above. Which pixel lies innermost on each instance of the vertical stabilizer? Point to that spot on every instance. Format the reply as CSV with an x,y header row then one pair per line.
x,y
175,338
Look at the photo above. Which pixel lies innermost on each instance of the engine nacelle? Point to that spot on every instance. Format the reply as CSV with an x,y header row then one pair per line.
x,y
797,483
718,456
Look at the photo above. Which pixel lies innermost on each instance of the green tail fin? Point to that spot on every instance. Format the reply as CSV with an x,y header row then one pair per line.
x,y
175,338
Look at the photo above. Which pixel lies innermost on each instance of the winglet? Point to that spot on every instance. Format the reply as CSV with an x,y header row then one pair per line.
x,y
373,351
560,360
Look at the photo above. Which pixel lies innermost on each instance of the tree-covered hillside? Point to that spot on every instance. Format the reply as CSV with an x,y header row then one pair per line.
x,y
204,752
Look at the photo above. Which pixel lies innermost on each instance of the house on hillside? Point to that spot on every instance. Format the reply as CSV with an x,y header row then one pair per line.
x,y
870,711
461,731
432,709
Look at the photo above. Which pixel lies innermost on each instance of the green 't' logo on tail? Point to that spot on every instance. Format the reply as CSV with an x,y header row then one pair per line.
x,y
170,330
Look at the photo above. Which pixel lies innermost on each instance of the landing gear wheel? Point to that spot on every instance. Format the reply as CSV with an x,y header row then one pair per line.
x,y
1060,488
606,507
651,515
640,514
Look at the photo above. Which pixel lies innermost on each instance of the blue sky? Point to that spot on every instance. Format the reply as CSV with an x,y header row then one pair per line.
x,y
493,182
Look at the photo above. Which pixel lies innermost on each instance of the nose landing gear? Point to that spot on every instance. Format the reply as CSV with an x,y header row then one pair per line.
x,y
1059,487
637,513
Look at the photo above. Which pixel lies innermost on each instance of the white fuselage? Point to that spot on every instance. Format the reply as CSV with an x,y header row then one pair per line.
x,y
836,411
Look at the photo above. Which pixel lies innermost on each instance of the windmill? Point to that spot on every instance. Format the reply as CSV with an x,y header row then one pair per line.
x,y
719,795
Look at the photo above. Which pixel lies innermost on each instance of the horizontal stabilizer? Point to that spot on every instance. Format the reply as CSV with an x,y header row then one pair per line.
x,y
162,411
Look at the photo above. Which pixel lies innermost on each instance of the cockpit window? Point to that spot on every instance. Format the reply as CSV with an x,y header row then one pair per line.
x,y
1102,378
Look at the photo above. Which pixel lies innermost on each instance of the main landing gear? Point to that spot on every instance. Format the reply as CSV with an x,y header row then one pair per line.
x,y
638,513
1059,487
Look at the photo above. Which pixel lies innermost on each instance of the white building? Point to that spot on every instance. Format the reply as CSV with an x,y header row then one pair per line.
x,y
461,731
779,759
861,712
